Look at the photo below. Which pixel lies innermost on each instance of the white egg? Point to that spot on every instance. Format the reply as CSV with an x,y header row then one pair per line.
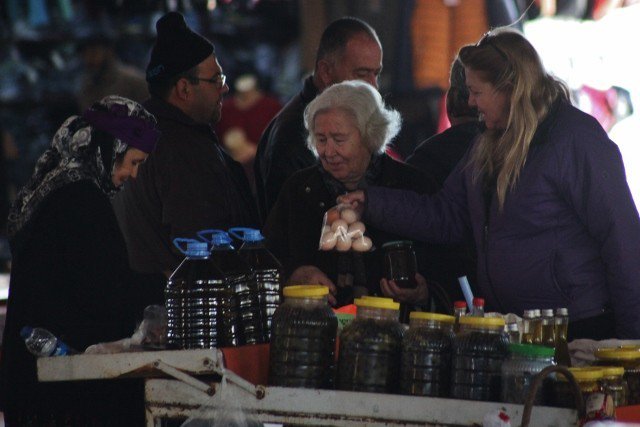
x,y
328,241
356,230
349,215
362,244
343,245
339,226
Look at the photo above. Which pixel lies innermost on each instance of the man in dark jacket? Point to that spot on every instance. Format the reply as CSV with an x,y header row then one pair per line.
x,y
349,50
189,183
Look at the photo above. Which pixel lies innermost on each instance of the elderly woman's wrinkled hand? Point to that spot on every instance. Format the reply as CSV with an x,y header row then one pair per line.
x,y
310,274
355,199
418,295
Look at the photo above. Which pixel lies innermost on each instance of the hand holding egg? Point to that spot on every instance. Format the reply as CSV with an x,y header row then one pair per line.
x,y
343,231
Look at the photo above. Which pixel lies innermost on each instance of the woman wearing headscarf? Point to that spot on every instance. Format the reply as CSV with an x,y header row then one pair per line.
x,y
348,128
543,190
70,272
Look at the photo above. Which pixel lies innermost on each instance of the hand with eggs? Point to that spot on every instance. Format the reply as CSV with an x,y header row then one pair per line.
x,y
312,275
418,295
356,199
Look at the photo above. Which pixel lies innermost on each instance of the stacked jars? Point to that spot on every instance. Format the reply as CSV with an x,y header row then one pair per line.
x,y
426,355
629,359
519,370
303,339
370,348
478,353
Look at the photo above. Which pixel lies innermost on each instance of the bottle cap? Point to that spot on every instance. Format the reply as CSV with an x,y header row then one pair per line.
x,y
532,350
490,322
612,371
512,326
478,302
562,312
197,250
221,239
547,312
305,291
583,374
459,304
529,314
537,312
252,235
26,331
377,302
423,315
617,354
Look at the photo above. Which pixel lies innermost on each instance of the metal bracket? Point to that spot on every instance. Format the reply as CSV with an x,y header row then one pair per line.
x,y
217,366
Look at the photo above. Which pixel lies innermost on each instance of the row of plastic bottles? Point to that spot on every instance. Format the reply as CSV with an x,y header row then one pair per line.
x,y
219,296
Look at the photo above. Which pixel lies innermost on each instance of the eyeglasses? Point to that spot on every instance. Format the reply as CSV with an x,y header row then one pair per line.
x,y
220,80
487,40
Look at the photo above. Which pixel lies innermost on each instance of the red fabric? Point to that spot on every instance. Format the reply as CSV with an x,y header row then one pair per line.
x,y
253,120
251,362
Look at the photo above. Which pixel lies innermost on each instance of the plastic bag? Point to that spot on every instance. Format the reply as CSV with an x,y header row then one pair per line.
x,y
151,334
343,231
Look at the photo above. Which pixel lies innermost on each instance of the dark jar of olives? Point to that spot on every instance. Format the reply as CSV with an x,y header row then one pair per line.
x,y
426,355
478,352
629,359
370,348
303,339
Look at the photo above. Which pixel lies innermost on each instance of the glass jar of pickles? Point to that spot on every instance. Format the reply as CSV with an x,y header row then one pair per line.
x,y
525,361
370,348
614,384
303,339
426,355
629,359
589,380
479,350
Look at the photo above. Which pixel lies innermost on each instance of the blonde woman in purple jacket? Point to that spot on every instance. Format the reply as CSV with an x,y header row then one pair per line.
x,y
543,192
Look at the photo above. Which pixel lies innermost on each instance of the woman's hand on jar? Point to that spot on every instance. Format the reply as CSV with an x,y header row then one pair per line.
x,y
355,199
312,275
418,295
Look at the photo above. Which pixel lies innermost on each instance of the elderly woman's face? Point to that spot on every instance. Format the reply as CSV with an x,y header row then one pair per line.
x,y
127,167
340,147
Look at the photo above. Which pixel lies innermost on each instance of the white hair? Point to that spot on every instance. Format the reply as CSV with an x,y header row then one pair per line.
x,y
377,124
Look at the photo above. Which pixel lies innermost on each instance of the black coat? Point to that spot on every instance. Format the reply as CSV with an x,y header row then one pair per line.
x,y
70,275
293,227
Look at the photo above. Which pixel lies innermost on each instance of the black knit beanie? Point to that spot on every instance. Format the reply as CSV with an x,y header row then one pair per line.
x,y
177,48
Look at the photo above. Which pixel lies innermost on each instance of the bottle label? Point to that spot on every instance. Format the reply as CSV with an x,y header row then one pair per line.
x,y
61,349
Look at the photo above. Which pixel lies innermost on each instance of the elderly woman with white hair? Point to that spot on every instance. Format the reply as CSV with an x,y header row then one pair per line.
x,y
348,129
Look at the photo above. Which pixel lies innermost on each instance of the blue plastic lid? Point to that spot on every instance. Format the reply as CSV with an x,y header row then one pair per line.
x,y
197,250
246,234
26,331
221,239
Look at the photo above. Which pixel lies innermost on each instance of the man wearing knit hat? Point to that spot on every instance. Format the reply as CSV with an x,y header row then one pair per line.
x,y
189,183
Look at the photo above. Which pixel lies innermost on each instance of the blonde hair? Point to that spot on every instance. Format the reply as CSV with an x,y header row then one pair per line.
x,y
506,60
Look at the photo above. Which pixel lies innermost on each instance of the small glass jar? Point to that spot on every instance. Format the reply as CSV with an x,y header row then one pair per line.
x,y
629,359
370,348
400,263
426,355
479,350
525,361
615,385
589,380
303,339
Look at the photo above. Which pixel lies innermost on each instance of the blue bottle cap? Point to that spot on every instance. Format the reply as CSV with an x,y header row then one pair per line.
x,y
197,250
252,235
26,331
221,239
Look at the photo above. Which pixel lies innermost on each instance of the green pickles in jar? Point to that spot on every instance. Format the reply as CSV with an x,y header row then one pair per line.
x,y
370,348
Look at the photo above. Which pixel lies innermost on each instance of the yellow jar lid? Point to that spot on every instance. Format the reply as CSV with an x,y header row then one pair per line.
x,y
424,315
482,321
305,291
377,302
584,374
611,353
612,371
